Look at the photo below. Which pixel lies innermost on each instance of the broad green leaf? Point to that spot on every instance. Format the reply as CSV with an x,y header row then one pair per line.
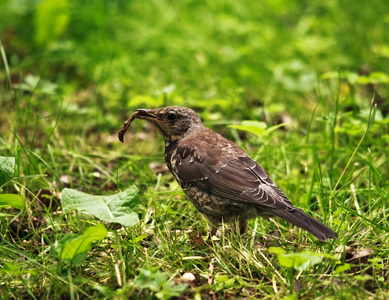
x,y
119,208
51,20
290,297
158,282
7,165
138,239
13,269
74,248
299,261
374,78
342,268
330,256
221,278
3,215
35,84
152,279
258,128
276,250
11,200
363,278
170,290
351,77
273,128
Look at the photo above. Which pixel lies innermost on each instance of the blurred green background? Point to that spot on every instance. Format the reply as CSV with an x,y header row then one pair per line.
x,y
234,57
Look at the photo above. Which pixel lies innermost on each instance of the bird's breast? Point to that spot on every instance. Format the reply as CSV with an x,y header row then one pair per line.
x,y
171,159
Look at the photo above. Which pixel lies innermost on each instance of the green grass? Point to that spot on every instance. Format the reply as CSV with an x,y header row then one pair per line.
x,y
65,92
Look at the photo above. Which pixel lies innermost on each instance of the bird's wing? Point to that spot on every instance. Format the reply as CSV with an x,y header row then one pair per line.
x,y
226,170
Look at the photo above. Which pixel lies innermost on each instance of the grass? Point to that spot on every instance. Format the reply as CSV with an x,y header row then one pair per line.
x,y
65,93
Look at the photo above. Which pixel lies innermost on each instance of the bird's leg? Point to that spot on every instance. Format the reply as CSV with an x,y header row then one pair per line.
x,y
240,225
212,229
213,226
243,225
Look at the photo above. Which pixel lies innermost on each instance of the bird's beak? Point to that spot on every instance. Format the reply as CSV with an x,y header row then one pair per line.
x,y
146,114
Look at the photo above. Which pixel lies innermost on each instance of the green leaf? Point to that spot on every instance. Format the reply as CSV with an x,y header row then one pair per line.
x,y
363,278
152,279
3,215
273,128
170,290
119,208
290,297
11,200
221,278
74,248
35,84
374,78
258,128
276,250
351,77
342,268
13,269
138,239
158,282
299,261
7,165
51,20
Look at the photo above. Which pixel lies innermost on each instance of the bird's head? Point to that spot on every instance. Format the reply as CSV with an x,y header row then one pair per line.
x,y
172,122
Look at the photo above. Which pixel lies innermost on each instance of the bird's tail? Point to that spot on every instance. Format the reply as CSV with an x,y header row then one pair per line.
x,y
306,222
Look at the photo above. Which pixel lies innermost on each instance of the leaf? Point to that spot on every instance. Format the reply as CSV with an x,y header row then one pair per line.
x,y
3,215
13,269
221,278
158,282
138,239
119,208
51,20
152,279
374,78
7,165
273,128
74,248
35,84
299,261
351,77
258,128
363,278
170,290
342,268
12,200
276,250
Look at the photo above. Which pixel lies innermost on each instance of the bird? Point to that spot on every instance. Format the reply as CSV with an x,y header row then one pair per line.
x,y
221,180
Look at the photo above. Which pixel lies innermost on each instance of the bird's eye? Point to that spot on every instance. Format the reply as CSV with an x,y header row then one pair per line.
x,y
171,116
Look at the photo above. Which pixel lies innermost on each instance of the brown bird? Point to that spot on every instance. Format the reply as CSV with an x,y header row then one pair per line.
x,y
222,181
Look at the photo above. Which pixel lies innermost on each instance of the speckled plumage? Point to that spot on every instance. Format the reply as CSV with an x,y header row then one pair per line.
x,y
222,181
